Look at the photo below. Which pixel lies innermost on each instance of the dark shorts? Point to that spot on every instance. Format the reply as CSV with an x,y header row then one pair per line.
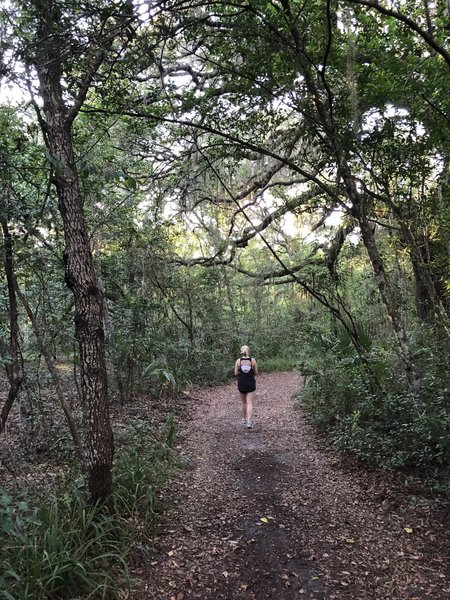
x,y
246,390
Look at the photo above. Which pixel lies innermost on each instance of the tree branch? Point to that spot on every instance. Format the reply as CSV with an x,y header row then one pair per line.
x,y
242,143
427,37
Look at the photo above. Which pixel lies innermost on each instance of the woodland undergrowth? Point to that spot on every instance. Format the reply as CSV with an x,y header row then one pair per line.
x,y
370,412
54,545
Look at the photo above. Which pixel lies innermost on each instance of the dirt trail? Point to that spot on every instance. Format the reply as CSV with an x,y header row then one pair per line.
x,y
269,513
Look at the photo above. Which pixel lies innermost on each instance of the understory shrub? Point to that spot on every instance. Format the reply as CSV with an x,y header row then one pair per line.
x,y
62,550
277,363
398,433
369,410
66,549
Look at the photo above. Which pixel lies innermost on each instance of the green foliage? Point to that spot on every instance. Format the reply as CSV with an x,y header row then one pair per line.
x,y
388,425
15,516
277,363
65,549
164,202
393,432
158,371
143,465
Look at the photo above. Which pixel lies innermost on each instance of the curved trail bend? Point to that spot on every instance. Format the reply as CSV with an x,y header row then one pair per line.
x,y
269,513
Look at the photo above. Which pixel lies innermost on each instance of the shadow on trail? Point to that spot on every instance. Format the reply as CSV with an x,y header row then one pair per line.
x,y
272,557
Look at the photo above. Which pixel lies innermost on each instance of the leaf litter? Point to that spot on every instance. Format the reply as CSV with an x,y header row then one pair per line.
x,y
274,513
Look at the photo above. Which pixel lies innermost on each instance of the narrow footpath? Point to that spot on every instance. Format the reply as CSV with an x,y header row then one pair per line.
x,y
272,513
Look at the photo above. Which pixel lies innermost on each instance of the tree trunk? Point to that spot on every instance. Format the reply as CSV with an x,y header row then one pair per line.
x,y
81,279
13,369
429,291
44,349
368,236
80,273
425,294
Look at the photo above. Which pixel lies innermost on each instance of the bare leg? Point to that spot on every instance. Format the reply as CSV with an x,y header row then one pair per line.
x,y
250,398
244,405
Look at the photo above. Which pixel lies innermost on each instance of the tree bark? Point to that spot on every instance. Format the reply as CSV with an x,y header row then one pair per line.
x,y
81,279
13,369
80,273
430,292
381,279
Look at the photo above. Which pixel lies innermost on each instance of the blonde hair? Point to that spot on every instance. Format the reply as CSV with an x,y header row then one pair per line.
x,y
245,350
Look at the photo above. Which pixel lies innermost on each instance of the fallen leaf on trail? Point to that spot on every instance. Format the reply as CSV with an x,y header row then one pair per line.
x,y
264,519
350,540
244,586
225,574
170,553
314,578
408,529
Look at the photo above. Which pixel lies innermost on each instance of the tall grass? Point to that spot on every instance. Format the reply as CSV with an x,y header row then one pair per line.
x,y
66,549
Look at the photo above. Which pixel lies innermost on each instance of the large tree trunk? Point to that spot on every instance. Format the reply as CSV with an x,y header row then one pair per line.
x,y
81,279
429,289
79,266
425,292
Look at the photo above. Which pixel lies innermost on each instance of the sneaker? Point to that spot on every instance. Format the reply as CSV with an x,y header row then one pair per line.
x,y
244,422
249,424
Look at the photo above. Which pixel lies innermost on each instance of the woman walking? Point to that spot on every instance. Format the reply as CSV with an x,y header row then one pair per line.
x,y
245,368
